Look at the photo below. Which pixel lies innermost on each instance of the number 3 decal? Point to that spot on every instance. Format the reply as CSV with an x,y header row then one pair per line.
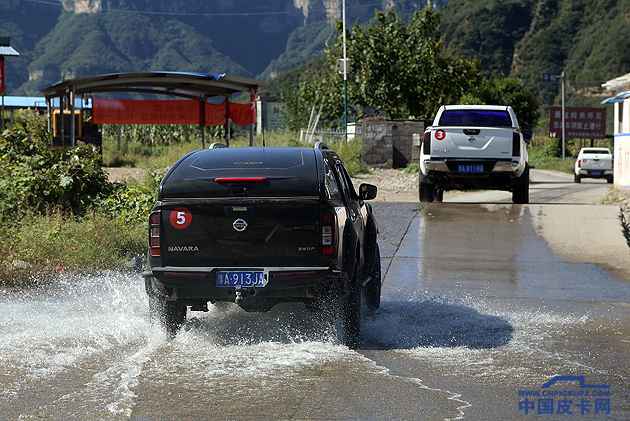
x,y
180,218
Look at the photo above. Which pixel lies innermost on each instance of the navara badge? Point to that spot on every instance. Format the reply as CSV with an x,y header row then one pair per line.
x,y
240,225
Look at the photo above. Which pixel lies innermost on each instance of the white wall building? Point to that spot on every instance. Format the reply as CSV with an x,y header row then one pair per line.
x,y
621,128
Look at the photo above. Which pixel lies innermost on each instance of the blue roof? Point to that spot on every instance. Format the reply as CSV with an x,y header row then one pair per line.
x,y
621,97
5,50
38,102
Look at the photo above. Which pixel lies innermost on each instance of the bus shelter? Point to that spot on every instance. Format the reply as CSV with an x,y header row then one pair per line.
x,y
192,92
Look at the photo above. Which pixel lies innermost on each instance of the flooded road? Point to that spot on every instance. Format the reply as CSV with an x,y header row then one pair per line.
x,y
477,305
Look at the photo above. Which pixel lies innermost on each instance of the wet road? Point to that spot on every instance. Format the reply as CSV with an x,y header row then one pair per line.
x,y
477,305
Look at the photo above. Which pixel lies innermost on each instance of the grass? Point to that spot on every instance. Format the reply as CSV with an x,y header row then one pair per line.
x,y
138,155
540,159
41,245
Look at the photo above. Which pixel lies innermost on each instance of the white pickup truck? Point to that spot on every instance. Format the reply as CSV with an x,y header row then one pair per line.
x,y
471,147
594,163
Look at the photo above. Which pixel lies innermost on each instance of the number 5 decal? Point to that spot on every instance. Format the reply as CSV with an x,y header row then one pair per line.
x,y
180,218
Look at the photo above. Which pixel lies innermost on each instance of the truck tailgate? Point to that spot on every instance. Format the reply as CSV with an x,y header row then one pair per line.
x,y
473,142
242,233
597,162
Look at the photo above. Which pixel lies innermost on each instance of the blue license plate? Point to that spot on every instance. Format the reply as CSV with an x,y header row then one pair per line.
x,y
240,279
470,168
596,173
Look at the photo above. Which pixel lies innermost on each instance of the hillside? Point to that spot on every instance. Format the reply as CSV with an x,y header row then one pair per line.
x,y
589,39
79,37
86,44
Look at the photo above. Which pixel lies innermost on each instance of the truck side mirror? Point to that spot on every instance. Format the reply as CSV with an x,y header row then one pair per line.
x,y
367,191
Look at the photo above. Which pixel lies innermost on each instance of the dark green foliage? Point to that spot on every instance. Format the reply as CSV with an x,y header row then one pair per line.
x,y
588,39
129,203
35,178
487,30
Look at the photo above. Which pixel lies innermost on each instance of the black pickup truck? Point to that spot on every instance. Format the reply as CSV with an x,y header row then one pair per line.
x,y
262,226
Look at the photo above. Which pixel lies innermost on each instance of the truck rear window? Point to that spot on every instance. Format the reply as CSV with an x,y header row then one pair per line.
x,y
596,152
287,172
475,118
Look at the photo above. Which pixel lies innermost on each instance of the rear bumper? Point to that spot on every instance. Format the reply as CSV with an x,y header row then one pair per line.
x,y
500,174
287,284
595,173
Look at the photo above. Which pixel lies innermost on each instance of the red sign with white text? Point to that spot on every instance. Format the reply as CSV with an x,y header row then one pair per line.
x,y
580,123
2,84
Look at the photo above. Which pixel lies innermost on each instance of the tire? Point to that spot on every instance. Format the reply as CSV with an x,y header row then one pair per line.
x,y
170,315
426,191
520,192
373,288
610,180
577,179
349,308
439,195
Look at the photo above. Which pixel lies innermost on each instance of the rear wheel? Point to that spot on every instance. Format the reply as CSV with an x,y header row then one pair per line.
x,y
349,308
610,179
373,288
427,191
439,195
577,179
520,193
170,315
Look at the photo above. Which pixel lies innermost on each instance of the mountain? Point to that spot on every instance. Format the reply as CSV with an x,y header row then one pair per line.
x,y
26,23
245,37
588,39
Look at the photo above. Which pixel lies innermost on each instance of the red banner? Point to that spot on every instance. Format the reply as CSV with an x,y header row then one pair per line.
x,y
2,83
133,111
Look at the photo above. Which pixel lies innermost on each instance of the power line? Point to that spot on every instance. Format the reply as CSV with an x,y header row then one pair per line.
x,y
164,13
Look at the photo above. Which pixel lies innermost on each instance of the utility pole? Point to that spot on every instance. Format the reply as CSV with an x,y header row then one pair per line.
x,y
5,51
345,73
562,77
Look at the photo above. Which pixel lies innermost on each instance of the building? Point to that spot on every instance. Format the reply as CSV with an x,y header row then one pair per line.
x,y
620,89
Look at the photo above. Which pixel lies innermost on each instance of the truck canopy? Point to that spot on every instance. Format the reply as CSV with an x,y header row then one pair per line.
x,y
243,172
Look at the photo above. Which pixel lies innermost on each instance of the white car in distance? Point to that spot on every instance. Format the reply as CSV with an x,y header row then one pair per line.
x,y
594,163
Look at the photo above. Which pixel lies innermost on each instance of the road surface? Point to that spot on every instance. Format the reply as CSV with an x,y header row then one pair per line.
x,y
482,299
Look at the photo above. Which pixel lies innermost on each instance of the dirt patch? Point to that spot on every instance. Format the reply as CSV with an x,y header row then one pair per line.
x,y
121,175
393,185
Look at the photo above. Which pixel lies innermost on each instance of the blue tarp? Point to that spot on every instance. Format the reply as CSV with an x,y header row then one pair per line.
x,y
617,98
38,102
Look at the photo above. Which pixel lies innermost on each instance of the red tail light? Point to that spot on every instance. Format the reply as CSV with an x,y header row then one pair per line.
x,y
516,144
328,222
154,234
579,162
240,180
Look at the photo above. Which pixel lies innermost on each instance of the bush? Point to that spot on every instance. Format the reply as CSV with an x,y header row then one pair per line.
x,y
544,156
34,178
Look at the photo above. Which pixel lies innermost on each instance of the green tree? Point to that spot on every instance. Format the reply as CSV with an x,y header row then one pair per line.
x,y
397,69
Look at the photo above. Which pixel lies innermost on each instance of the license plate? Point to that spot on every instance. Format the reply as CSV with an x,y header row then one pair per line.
x,y
470,168
596,173
240,279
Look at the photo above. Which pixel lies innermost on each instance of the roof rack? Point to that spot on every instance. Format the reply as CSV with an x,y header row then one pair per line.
x,y
321,146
